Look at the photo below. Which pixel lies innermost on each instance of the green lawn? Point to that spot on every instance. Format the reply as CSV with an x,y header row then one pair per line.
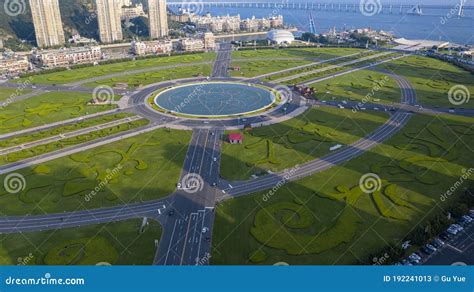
x,y
306,137
327,219
318,66
118,243
47,108
308,53
18,140
6,93
252,68
325,73
101,70
136,80
256,68
144,167
366,85
432,79
67,142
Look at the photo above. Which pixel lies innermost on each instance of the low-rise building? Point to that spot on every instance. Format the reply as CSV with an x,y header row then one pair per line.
x,y
67,56
192,45
129,12
151,47
12,65
209,41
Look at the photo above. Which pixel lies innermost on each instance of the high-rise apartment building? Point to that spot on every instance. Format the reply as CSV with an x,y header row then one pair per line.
x,y
47,22
108,17
158,18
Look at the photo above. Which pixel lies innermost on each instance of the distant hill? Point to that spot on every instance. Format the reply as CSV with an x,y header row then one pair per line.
x,y
77,16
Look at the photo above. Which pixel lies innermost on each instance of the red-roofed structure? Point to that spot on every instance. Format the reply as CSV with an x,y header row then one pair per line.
x,y
235,138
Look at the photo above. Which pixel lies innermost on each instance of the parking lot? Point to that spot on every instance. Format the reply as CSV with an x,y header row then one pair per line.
x,y
459,250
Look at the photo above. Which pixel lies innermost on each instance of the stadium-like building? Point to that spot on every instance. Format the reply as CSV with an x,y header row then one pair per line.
x,y
279,36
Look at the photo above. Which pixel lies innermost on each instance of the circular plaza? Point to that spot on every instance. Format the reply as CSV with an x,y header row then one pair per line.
x,y
215,99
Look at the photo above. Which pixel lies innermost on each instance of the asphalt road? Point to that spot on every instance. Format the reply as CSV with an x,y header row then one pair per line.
x,y
186,239
223,60
395,123
8,150
457,251
14,224
187,216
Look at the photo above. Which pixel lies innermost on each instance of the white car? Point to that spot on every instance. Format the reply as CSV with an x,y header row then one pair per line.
x,y
178,185
205,229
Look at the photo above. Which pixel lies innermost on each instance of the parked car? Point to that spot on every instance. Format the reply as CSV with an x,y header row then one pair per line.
x,y
445,235
471,213
437,243
431,247
452,231
467,218
426,250
405,262
414,258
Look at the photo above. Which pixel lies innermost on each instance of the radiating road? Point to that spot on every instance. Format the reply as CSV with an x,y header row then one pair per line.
x,y
223,60
186,238
187,215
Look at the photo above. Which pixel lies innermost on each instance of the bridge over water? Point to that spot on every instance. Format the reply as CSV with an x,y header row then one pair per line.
x,y
336,7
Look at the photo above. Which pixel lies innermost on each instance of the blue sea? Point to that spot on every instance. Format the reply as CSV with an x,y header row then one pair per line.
x,y
434,24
